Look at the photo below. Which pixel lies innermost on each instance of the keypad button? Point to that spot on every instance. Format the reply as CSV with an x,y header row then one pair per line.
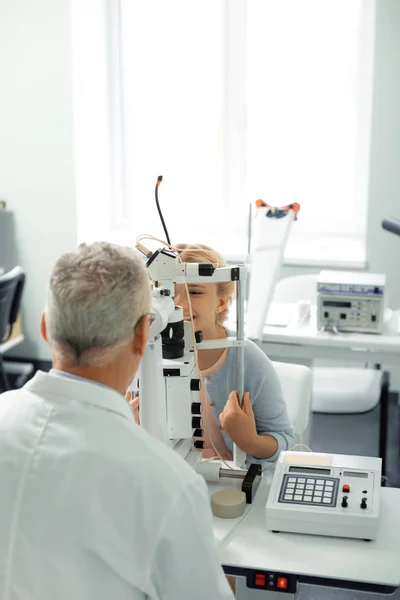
x,y
300,480
319,487
292,479
311,481
329,483
309,487
300,486
317,493
308,493
290,485
320,482
326,500
316,499
298,497
289,497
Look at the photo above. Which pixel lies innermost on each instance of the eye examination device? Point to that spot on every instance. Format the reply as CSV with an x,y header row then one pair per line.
x,y
325,494
349,301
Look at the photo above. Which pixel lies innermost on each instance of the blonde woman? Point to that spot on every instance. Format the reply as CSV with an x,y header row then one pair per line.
x,y
262,429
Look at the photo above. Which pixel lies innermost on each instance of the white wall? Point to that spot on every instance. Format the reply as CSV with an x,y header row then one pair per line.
x,y
36,147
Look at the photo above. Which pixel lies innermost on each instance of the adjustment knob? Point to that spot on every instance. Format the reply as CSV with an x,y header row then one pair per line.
x,y
199,444
195,385
363,503
206,269
198,433
196,408
198,337
196,422
344,502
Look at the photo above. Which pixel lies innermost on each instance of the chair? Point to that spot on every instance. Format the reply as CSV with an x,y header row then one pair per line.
x,y
335,389
296,382
11,287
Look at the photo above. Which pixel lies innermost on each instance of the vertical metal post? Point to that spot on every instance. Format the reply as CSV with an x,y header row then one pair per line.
x,y
239,457
152,391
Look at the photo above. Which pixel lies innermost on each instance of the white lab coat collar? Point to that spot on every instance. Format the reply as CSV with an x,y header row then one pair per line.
x,y
56,388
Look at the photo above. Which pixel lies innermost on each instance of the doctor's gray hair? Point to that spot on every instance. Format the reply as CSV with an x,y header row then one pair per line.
x,y
97,294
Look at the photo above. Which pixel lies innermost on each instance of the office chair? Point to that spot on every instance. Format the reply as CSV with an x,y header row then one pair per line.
x,y
11,287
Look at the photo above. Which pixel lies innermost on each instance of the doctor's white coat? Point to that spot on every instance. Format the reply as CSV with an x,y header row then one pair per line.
x,y
92,508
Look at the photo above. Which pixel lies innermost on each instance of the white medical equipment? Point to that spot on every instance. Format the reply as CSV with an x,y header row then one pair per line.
x,y
325,494
271,230
350,301
168,378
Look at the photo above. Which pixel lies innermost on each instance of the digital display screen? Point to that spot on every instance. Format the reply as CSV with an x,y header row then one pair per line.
x,y
338,303
310,470
354,474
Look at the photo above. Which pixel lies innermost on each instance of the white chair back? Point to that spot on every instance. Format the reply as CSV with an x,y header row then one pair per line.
x,y
298,287
296,381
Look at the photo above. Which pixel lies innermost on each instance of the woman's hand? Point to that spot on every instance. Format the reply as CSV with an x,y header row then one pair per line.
x,y
134,402
240,423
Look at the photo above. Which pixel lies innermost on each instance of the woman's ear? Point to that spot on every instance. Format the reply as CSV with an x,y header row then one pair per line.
x,y
222,304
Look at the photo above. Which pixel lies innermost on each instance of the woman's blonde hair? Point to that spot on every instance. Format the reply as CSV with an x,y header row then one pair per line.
x,y
200,253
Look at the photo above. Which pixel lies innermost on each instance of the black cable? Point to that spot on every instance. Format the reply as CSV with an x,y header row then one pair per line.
x,y
159,180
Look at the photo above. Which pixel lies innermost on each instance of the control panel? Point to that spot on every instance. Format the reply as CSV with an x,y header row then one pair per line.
x,y
349,301
325,494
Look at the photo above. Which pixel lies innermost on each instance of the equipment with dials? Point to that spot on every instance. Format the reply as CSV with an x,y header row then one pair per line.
x,y
348,301
325,494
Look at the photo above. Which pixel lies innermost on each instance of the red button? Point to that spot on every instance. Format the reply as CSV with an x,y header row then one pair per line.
x,y
282,583
259,580
346,488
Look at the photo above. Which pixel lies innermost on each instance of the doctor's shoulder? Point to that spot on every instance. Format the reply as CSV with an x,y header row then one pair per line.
x,y
165,465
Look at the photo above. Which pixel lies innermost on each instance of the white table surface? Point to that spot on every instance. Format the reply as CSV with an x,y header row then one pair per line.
x,y
246,543
307,342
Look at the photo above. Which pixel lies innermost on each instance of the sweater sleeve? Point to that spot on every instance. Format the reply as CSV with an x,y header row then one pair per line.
x,y
270,412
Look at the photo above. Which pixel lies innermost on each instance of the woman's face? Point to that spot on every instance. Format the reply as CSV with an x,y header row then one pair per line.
x,y
206,304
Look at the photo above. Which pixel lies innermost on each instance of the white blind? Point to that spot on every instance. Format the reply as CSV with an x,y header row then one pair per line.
x,y
233,100
173,82
308,97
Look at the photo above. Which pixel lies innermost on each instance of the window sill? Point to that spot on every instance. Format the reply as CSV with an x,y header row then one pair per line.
x,y
335,252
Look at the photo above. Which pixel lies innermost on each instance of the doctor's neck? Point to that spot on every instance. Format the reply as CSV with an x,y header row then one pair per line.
x,y
116,374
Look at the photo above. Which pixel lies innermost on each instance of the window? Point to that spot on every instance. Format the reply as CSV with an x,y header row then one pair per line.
x,y
232,100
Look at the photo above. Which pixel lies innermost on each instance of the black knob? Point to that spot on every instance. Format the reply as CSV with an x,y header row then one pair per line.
x,y
196,408
198,337
363,503
196,422
195,385
198,433
344,502
199,444
206,269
